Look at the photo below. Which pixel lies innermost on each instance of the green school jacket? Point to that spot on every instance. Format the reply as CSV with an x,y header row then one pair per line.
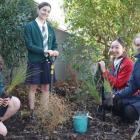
x,y
34,41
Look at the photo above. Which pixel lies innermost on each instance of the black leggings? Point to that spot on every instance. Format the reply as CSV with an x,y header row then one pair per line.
x,y
130,113
127,113
118,107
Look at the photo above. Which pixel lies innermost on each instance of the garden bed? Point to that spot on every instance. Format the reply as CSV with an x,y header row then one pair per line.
x,y
112,128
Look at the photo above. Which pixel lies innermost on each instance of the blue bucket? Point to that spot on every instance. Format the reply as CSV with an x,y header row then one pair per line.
x,y
80,123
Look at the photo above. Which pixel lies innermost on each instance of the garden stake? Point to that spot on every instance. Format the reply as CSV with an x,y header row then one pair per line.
x,y
99,80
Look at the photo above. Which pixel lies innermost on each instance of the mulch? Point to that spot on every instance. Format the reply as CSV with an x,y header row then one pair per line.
x,y
20,128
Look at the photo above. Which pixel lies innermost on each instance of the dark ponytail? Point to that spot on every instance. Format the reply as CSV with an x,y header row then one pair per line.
x,y
120,40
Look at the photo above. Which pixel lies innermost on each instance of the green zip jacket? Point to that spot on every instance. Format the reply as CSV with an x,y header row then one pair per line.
x,y
34,41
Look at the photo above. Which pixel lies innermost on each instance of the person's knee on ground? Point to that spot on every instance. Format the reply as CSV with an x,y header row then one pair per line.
x,y
3,129
130,113
15,102
13,107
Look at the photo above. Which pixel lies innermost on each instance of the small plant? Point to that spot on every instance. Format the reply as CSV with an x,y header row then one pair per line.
x,y
93,91
53,113
19,77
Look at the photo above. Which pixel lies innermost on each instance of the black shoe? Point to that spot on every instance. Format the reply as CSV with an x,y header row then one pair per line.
x,y
100,109
101,112
2,137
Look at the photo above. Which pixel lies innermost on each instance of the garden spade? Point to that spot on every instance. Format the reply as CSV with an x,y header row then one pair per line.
x,y
99,80
52,60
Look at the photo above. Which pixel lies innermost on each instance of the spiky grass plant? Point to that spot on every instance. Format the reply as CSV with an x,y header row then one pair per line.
x,y
19,77
93,91
92,88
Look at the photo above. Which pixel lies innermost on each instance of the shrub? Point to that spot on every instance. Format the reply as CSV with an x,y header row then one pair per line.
x,y
53,113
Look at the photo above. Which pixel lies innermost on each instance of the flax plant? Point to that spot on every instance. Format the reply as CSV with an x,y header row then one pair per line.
x,y
93,91
19,77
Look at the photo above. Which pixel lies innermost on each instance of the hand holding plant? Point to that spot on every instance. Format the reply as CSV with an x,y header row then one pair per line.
x,y
6,102
1,101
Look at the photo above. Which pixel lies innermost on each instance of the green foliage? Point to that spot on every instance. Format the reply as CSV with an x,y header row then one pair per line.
x,y
54,23
81,58
100,21
14,14
78,55
94,24
18,78
93,91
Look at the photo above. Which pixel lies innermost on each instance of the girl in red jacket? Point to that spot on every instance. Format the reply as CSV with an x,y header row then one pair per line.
x,y
122,66
119,73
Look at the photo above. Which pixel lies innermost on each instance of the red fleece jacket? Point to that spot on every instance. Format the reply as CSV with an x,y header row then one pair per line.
x,y
120,80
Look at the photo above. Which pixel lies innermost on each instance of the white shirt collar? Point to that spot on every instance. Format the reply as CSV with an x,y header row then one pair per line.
x,y
117,61
40,24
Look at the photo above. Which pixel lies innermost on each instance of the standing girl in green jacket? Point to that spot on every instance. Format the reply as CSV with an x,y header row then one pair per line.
x,y
41,44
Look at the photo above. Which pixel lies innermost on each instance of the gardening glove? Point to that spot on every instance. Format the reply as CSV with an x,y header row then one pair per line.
x,y
6,101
